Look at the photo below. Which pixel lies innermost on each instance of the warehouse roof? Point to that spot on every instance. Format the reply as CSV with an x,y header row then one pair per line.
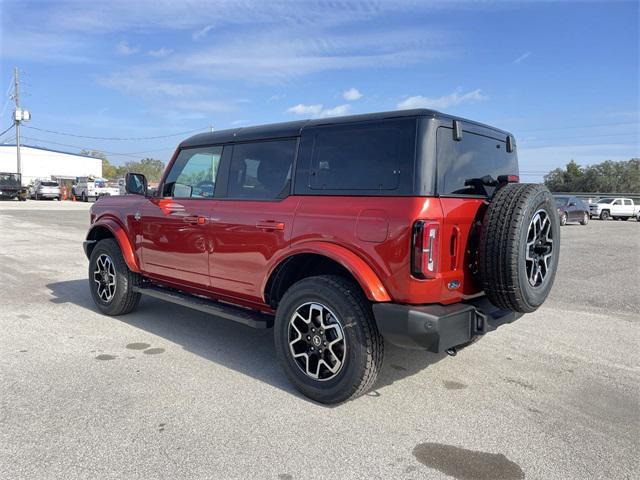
x,y
22,145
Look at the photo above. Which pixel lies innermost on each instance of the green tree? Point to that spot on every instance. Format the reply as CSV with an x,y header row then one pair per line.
x,y
149,167
606,177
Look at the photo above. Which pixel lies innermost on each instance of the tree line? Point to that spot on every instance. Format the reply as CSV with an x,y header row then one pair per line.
x,y
150,167
605,177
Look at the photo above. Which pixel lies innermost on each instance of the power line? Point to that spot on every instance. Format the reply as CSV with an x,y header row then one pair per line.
x,y
575,127
131,155
10,127
117,138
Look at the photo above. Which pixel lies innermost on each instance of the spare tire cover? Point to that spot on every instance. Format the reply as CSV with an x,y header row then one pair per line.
x,y
519,247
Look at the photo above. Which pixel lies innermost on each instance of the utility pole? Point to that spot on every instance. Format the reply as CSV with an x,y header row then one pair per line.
x,y
16,115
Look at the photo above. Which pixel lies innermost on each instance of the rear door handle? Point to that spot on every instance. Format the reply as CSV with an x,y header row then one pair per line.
x,y
270,225
194,220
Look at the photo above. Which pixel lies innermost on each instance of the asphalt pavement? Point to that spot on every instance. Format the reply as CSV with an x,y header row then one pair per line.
x,y
167,392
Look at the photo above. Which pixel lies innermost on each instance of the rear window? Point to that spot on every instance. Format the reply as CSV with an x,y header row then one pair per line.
x,y
461,164
362,157
49,184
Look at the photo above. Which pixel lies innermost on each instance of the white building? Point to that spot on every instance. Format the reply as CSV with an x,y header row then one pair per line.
x,y
43,164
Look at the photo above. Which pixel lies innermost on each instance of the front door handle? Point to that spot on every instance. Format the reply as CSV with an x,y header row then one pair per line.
x,y
194,220
270,225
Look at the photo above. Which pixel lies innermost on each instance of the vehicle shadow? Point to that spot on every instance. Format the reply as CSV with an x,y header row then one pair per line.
x,y
243,349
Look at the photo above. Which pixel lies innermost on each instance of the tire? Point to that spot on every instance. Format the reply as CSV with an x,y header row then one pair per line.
x,y
605,215
84,197
517,271
349,313
563,219
585,219
37,197
624,219
123,299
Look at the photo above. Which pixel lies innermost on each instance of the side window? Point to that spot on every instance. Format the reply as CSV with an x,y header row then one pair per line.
x,y
261,170
617,202
193,174
628,202
361,157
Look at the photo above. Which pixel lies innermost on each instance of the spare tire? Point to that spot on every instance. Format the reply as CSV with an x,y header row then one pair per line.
x,y
519,247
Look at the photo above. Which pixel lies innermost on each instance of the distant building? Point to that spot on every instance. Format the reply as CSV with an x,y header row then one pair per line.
x,y
44,164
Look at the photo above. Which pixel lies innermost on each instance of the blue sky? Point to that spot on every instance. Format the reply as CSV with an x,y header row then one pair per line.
x,y
563,76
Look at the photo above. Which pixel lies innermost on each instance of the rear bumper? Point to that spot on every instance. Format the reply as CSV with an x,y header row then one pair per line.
x,y
437,328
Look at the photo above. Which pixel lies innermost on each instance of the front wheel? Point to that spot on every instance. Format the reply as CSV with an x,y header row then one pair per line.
x,y
326,339
563,219
110,280
605,215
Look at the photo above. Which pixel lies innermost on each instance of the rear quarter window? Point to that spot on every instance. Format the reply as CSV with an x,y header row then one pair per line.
x,y
372,158
472,157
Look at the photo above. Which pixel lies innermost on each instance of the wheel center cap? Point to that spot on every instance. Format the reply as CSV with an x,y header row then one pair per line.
x,y
316,340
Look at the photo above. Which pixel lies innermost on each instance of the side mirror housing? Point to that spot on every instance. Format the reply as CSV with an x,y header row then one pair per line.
x,y
135,184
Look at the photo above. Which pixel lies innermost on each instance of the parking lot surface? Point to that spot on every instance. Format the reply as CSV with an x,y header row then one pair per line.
x,y
168,392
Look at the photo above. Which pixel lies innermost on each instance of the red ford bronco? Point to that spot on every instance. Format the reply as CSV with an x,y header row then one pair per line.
x,y
408,226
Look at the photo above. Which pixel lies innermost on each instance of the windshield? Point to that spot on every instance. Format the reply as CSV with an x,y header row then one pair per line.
x,y
9,178
606,200
561,201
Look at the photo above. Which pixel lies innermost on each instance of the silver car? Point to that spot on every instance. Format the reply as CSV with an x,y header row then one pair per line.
x,y
46,189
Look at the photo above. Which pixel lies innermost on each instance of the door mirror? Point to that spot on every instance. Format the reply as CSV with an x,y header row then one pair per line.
x,y
135,184
572,204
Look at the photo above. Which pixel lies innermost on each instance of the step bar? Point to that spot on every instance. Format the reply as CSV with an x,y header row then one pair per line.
x,y
250,318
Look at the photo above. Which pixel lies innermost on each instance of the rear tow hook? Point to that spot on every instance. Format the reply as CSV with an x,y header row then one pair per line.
x,y
452,352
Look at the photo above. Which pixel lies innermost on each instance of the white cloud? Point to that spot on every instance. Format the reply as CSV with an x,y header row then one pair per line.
x,y
139,82
161,52
203,32
351,94
123,48
302,109
522,58
318,110
453,99
336,111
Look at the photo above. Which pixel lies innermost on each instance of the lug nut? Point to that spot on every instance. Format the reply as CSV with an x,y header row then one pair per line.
x,y
308,337
312,349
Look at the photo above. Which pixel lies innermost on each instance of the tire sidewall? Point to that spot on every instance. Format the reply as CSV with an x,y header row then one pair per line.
x,y
110,248
535,296
355,341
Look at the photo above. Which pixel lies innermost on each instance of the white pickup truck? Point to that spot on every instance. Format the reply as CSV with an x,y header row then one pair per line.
x,y
616,208
90,188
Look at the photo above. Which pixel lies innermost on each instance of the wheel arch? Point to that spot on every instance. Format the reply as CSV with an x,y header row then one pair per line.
x,y
319,258
109,228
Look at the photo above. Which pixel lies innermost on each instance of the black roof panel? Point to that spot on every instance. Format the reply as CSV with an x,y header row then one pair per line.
x,y
292,129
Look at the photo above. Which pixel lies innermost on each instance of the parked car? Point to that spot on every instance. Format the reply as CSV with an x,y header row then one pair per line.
x,y
571,209
406,226
616,208
46,189
91,188
11,187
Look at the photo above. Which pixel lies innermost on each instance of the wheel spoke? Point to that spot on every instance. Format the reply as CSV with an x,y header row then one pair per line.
x,y
316,341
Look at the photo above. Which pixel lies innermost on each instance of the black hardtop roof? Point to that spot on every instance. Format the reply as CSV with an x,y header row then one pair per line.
x,y
292,129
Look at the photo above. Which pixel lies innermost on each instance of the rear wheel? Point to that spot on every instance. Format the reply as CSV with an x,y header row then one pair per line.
x,y
624,219
585,219
605,215
519,247
110,280
326,339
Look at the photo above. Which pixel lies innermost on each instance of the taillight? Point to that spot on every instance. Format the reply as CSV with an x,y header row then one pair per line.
x,y
425,240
